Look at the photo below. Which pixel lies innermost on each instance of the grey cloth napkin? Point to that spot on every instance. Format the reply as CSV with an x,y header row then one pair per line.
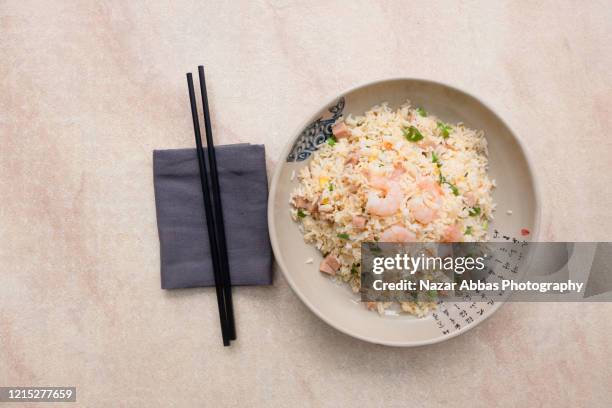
x,y
184,246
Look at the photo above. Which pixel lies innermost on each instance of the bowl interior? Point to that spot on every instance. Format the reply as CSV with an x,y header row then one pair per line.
x,y
336,304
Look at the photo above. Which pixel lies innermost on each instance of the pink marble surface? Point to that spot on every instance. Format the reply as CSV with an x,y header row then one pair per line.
x,y
88,89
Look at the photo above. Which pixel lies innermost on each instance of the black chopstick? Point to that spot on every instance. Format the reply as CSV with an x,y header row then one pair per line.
x,y
210,224
217,207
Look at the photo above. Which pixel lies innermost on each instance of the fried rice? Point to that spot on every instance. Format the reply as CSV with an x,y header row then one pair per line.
x,y
392,176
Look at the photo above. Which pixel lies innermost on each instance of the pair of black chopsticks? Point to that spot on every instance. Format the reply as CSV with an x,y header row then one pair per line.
x,y
213,211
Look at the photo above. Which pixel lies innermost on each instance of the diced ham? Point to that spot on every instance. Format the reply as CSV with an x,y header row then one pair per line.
x,y
304,203
340,130
470,198
353,188
300,202
353,158
359,221
329,265
314,207
351,185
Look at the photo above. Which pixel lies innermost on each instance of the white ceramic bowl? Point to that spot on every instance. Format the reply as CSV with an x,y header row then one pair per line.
x,y
336,304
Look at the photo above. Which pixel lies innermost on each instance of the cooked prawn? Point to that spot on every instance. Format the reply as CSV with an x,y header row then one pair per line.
x,y
452,234
390,203
387,205
430,186
421,212
398,233
378,182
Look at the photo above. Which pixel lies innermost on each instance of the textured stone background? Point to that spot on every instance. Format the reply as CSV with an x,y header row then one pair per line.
x,y
89,88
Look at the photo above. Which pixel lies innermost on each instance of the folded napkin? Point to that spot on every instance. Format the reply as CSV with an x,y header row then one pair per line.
x,y
183,237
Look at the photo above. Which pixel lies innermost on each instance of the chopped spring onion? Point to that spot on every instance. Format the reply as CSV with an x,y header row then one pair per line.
x,y
442,180
300,213
474,211
435,159
343,236
331,187
421,111
444,129
468,230
412,134
331,140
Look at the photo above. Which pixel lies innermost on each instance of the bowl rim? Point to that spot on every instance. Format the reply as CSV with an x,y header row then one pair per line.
x,y
272,225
